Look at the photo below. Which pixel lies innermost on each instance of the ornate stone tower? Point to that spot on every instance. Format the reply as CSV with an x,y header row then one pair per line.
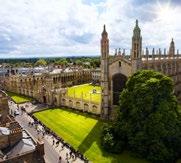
x,y
136,48
172,49
105,74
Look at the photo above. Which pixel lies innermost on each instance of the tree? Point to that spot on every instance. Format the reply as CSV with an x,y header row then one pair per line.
x,y
61,61
148,122
95,62
78,62
41,62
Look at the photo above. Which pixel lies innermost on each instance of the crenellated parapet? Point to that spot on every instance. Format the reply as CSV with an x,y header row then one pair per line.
x,y
118,52
148,56
119,55
160,56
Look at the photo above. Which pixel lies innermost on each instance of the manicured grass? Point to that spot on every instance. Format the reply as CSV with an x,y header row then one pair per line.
x,y
19,98
85,91
83,133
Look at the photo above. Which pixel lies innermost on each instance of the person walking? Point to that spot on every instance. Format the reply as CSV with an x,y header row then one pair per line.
x,y
60,159
70,153
67,156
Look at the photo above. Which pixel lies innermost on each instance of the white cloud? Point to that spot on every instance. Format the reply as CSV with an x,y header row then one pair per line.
x,y
72,27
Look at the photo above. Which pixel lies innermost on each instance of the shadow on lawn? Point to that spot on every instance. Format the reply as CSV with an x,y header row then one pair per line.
x,y
91,138
95,136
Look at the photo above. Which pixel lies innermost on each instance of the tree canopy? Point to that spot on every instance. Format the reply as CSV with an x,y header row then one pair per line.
x,y
86,62
41,62
148,122
61,61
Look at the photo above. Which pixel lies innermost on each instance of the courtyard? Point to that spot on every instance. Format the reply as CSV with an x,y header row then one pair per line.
x,y
86,91
18,99
83,133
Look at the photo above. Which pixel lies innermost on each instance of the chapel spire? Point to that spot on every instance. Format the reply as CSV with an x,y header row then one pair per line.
x,y
136,42
104,44
104,32
137,30
172,48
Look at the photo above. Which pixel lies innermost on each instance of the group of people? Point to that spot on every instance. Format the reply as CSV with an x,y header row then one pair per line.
x,y
56,140
69,156
73,154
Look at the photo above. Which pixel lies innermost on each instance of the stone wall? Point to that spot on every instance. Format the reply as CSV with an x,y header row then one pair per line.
x,y
85,106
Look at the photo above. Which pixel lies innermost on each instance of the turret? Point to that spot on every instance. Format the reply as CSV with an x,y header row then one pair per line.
x,y
136,43
105,74
177,53
115,52
172,49
153,54
147,54
159,53
136,50
119,52
165,52
124,52
104,44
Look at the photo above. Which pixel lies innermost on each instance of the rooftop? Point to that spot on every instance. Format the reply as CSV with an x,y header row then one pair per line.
x,y
24,146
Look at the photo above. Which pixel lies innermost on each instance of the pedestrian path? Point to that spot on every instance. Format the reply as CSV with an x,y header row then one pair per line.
x,y
52,150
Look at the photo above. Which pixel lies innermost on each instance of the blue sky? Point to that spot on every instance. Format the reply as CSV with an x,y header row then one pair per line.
x,y
37,28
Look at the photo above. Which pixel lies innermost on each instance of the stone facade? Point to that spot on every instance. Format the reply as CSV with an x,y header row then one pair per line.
x,y
50,88
117,68
79,104
96,76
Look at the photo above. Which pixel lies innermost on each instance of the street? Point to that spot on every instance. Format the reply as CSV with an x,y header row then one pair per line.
x,y
52,152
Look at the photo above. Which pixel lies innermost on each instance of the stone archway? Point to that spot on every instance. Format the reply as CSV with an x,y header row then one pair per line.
x,y
78,105
63,101
86,107
43,93
94,108
44,99
118,83
70,103
55,101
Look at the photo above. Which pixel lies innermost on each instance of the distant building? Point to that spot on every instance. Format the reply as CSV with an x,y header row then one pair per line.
x,y
96,75
50,87
7,71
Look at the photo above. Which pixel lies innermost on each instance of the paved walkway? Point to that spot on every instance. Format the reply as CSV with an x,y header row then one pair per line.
x,y
52,152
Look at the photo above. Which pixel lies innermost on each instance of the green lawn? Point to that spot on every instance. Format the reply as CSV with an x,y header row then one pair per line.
x,y
85,91
83,133
19,98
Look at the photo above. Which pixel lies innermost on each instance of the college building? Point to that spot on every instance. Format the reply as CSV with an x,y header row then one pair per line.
x,y
51,87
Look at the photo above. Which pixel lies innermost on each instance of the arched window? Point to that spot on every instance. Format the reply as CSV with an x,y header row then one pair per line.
x,y
119,63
